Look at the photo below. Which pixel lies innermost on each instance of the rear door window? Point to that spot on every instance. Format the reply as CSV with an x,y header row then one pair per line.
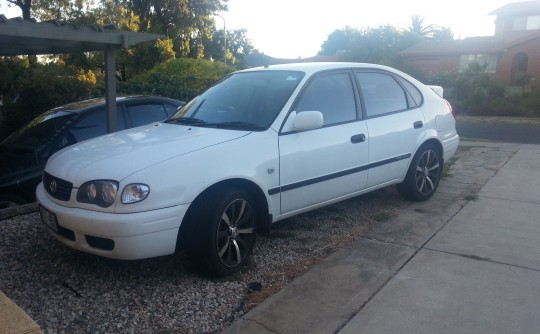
x,y
382,94
141,114
90,125
94,123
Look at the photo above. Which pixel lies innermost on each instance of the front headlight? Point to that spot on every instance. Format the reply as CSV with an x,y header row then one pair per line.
x,y
134,193
99,192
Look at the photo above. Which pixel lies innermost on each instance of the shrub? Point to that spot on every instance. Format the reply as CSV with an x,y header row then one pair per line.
x,y
180,78
531,101
40,88
476,93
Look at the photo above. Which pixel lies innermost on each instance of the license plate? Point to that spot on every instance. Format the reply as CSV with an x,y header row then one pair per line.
x,y
49,219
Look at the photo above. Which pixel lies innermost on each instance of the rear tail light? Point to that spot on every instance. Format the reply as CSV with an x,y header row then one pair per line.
x,y
451,109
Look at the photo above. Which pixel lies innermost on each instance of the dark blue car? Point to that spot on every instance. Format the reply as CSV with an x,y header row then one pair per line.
x,y
23,154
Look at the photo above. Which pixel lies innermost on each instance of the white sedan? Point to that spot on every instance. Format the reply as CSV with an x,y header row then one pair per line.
x,y
259,146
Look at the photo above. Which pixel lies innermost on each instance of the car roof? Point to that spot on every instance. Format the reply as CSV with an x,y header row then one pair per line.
x,y
314,67
317,66
81,106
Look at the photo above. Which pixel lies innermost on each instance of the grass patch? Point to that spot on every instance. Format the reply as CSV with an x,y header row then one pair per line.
x,y
382,216
447,170
471,197
474,139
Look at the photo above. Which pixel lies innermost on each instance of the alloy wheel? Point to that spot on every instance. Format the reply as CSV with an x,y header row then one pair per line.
x,y
427,172
235,233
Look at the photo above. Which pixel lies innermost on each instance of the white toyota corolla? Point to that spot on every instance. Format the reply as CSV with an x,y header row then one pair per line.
x,y
259,146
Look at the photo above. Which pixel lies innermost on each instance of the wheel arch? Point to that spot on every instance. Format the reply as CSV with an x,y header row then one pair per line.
x,y
436,143
263,220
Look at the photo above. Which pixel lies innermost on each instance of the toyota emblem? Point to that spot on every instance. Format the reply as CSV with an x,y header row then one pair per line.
x,y
52,186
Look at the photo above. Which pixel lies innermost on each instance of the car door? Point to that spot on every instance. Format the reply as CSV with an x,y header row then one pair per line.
x,y
327,163
395,123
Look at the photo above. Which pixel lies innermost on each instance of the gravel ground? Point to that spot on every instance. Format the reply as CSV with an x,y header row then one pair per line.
x,y
66,291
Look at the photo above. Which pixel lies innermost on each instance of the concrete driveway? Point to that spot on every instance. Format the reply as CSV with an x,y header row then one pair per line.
x,y
466,261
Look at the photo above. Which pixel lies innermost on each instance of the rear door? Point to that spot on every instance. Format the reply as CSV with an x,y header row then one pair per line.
x,y
395,123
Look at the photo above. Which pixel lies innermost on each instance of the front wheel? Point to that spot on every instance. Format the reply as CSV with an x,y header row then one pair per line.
x,y
423,176
226,234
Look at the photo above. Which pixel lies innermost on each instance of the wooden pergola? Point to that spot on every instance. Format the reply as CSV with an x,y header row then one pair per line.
x,y
28,37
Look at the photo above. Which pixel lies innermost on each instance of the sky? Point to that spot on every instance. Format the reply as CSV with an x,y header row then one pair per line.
x,y
297,28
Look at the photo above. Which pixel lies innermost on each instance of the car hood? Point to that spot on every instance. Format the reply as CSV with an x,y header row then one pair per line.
x,y
121,154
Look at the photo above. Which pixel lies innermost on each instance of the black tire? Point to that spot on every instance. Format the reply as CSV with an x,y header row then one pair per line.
x,y
223,232
424,174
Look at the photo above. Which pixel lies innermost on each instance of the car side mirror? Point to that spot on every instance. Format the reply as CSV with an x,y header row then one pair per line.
x,y
307,120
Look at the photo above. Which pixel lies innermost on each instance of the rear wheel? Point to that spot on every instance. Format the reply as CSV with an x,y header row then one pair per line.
x,y
423,176
225,232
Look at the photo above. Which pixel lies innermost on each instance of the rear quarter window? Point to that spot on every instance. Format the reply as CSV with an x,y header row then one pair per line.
x,y
415,97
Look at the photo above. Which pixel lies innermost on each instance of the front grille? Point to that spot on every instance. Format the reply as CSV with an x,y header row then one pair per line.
x,y
56,187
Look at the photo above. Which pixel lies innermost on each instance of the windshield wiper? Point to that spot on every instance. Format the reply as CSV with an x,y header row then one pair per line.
x,y
186,120
236,125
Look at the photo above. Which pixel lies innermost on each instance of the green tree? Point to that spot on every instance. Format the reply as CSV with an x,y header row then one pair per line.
x,y
443,34
186,22
238,46
418,28
64,10
418,31
339,40
373,45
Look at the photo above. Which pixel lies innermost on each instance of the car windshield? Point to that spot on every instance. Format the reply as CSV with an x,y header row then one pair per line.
x,y
244,101
40,133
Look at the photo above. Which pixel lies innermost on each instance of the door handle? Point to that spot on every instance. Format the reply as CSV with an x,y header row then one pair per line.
x,y
418,124
358,138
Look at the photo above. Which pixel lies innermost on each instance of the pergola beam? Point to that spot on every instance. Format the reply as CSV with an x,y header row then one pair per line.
x,y
28,37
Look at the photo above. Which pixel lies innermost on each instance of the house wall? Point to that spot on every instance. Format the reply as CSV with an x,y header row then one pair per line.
x,y
434,64
504,67
503,25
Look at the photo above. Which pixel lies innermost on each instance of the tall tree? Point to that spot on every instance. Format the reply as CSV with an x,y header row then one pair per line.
x,y
418,28
374,45
339,40
24,5
238,46
65,10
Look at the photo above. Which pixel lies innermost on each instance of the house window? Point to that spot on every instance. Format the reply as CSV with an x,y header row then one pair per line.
x,y
488,62
527,23
520,63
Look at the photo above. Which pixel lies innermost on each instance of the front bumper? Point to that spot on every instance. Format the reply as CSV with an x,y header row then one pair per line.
x,y
133,236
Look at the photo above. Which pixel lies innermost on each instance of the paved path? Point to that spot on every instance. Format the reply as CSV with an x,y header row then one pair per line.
x,y
466,261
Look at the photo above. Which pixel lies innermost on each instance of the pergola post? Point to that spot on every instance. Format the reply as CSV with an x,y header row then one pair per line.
x,y
110,88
